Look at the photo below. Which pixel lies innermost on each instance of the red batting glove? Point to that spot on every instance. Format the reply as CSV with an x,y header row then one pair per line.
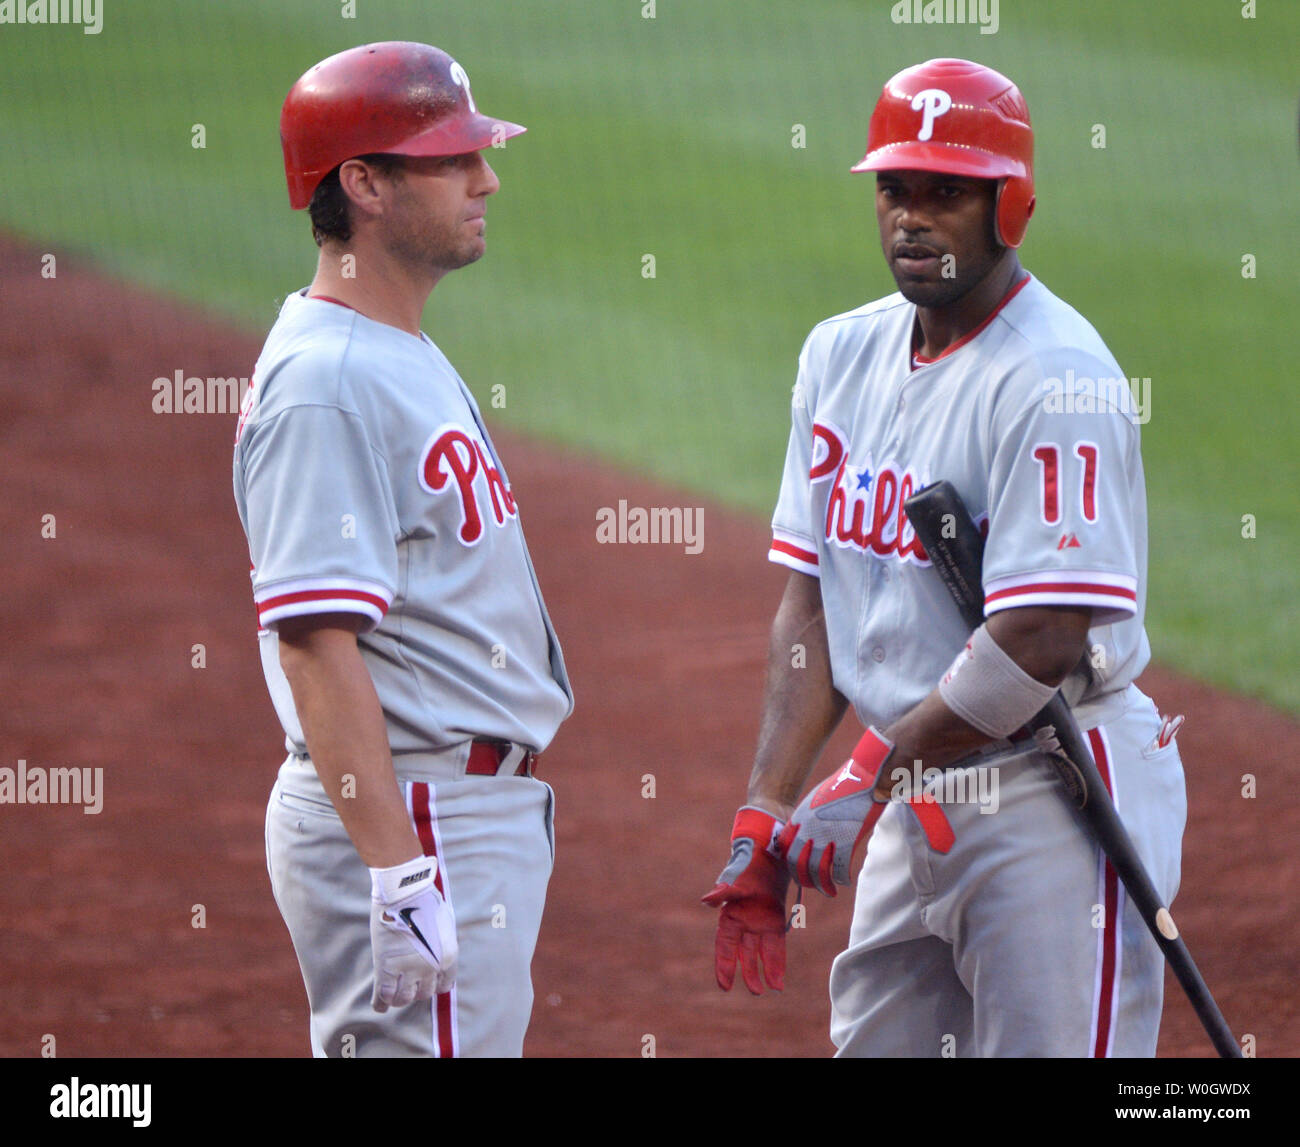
x,y
751,892
825,830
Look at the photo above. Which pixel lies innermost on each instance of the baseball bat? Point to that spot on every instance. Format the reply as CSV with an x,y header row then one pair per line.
x,y
956,550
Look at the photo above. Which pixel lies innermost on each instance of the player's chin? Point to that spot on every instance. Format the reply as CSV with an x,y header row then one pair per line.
x,y
463,256
923,291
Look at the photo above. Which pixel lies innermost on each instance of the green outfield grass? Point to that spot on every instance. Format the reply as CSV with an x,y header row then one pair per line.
x,y
672,137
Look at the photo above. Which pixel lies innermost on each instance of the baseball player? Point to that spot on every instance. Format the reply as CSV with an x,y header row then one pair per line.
x,y
403,635
986,921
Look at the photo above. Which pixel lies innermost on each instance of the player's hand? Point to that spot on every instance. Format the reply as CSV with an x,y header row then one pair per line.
x,y
751,893
412,934
823,833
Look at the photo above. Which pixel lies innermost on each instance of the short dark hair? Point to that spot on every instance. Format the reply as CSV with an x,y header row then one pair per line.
x,y
329,204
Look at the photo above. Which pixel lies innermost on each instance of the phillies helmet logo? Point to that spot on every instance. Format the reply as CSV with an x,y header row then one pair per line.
x,y
931,103
452,457
461,80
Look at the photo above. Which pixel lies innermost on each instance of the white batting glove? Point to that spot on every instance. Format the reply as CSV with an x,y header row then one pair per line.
x,y
412,934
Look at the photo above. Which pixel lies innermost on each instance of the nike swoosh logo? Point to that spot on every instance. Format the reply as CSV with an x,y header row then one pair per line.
x,y
405,914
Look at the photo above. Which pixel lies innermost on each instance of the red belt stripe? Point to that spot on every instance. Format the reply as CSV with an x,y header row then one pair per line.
x,y
485,758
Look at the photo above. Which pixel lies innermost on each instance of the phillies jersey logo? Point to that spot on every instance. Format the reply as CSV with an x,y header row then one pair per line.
x,y
452,460
864,510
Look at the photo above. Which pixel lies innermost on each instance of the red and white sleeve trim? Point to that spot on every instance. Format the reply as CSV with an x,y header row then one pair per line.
x,y
794,551
1112,596
321,595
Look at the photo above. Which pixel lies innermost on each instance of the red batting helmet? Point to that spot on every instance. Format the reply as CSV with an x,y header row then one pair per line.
x,y
964,119
394,98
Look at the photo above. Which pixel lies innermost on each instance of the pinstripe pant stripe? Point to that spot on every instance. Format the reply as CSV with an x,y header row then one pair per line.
x,y
1111,897
421,803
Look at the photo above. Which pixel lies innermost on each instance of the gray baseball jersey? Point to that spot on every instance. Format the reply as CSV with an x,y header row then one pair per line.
x,y
1045,460
1018,941
367,483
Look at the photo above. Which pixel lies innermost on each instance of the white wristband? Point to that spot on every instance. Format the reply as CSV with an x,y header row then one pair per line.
x,y
988,690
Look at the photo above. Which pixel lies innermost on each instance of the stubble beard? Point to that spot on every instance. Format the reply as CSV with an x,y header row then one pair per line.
x,y
435,250
435,245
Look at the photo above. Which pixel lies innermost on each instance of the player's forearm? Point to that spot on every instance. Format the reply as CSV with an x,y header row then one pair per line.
x,y
801,706
347,739
1045,642
932,734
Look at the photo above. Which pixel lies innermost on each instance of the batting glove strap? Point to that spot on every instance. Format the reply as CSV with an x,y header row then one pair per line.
x,y
403,881
758,825
751,892
755,866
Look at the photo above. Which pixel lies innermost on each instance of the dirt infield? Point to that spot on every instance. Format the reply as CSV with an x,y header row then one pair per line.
x,y
145,577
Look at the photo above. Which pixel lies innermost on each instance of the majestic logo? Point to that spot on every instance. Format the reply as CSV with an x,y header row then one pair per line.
x,y
864,510
931,103
452,458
